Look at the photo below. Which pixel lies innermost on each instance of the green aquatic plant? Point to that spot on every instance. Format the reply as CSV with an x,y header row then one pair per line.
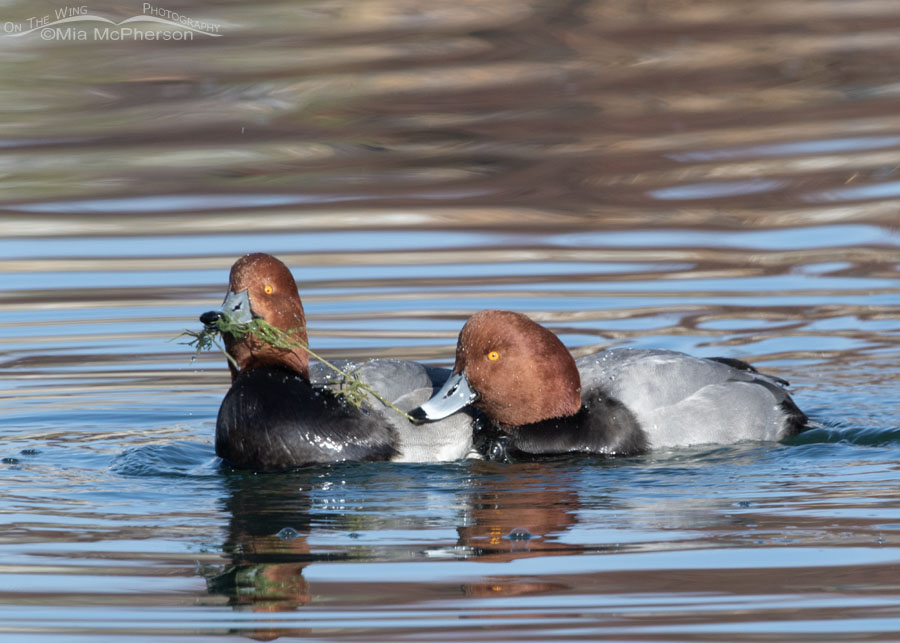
x,y
349,385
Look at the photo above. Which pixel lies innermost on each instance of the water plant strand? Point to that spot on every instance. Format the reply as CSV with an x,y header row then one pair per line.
x,y
351,387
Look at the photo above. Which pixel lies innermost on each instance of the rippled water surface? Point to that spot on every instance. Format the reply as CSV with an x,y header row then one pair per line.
x,y
718,177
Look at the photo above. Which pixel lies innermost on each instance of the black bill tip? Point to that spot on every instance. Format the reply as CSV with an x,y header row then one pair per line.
x,y
211,317
418,415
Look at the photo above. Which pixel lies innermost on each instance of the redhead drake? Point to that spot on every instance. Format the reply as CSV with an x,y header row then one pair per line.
x,y
276,417
540,401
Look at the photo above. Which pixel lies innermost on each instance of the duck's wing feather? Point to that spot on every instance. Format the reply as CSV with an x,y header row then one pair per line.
x,y
681,400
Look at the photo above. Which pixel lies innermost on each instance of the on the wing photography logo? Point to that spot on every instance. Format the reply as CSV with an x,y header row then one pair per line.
x,y
72,23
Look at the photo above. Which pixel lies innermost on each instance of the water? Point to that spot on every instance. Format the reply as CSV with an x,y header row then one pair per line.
x,y
713,177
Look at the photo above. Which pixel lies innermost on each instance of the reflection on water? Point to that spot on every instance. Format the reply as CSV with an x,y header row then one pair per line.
x,y
713,177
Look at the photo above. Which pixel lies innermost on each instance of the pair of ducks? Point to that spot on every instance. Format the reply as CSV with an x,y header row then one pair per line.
x,y
514,392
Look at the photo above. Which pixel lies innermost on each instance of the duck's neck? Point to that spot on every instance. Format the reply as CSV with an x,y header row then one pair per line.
x,y
602,426
250,352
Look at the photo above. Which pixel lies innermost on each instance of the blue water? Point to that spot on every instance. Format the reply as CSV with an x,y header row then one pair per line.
x,y
714,178
172,541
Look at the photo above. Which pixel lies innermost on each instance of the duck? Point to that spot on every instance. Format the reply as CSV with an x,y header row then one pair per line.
x,y
281,412
537,401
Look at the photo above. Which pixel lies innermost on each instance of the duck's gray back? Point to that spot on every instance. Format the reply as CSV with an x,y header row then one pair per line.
x,y
406,385
680,400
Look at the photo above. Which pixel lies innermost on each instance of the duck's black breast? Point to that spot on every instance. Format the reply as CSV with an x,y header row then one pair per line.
x,y
603,426
272,419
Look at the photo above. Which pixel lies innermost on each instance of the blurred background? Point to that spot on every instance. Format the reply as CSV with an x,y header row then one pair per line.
x,y
718,177
710,177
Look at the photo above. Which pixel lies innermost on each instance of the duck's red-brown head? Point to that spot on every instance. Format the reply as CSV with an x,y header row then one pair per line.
x,y
512,368
262,286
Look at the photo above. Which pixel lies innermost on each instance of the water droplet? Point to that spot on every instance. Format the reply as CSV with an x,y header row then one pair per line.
x,y
520,533
288,533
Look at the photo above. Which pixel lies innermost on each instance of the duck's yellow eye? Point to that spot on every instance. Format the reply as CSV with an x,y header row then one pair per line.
x,y
493,356
268,289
